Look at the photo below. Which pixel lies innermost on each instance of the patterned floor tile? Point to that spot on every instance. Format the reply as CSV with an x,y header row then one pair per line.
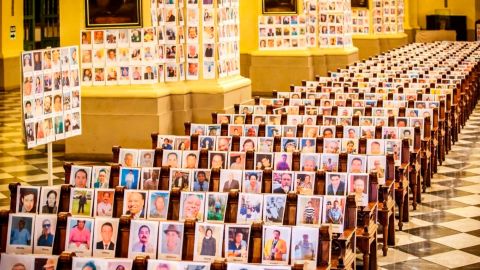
x,y
452,259
470,211
458,241
430,232
425,248
462,225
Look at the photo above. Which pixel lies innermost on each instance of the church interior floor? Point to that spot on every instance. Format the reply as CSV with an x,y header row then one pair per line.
x,y
443,233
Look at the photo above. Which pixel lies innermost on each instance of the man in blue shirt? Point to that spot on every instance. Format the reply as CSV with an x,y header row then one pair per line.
x,y
20,236
237,247
46,238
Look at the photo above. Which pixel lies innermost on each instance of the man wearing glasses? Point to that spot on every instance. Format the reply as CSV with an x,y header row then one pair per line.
x,y
46,238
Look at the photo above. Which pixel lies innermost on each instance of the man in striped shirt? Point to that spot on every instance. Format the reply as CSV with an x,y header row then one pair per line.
x,y
309,213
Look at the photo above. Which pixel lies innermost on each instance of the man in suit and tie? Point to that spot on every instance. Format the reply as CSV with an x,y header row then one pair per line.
x,y
275,248
148,75
336,186
230,183
106,232
209,51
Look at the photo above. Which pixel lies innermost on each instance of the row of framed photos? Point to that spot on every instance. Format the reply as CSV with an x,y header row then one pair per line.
x,y
30,261
29,232
50,95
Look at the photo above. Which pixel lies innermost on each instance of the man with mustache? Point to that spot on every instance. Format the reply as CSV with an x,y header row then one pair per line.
x,y
143,244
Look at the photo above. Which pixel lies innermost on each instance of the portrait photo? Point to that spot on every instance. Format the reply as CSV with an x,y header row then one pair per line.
x,y
192,206
331,145
394,147
309,162
17,262
113,13
263,161
252,181
172,158
87,263
289,144
20,233
182,143
215,206
237,242
309,210
248,144
171,240
230,180
265,144
128,157
105,237
358,185
129,177
236,160
146,157
208,241
79,236
375,147
357,163
101,176
119,264
190,159
199,130
217,160
45,226
158,202
304,183
180,179
377,165
336,183
103,206
201,180
283,161
349,146
282,182
49,198
307,145
334,212
250,208
304,244
81,202
276,244
134,203
80,176
143,238
274,208
149,178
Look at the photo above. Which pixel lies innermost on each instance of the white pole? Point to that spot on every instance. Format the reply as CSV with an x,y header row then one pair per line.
x,y
50,163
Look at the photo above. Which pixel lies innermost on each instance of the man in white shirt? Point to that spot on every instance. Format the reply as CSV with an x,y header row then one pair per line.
x,y
104,208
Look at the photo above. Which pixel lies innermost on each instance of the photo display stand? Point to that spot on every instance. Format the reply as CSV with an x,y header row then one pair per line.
x,y
50,97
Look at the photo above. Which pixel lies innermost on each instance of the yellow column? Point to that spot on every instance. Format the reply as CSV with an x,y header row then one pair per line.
x,y
412,12
10,48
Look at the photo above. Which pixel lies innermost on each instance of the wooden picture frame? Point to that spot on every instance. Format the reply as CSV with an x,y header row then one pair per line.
x,y
113,13
359,3
279,6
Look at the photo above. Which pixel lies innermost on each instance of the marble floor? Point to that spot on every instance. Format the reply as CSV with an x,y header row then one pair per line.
x,y
443,233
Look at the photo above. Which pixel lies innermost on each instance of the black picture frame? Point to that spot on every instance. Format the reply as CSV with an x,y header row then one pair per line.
x,y
279,6
113,13
359,3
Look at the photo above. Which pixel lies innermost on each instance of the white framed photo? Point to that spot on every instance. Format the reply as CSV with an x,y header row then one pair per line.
x,y
105,237
250,208
208,241
134,203
81,202
274,206
45,227
276,244
304,245
309,210
49,199
192,206
80,176
20,233
158,201
101,176
143,238
171,240
237,242
128,157
215,206
79,236
103,204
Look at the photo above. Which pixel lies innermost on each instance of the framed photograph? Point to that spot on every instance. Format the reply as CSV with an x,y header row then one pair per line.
x,y
265,144
103,206
208,241
81,202
145,157
304,182
217,160
263,161
143,238
276,244
274,208
279,7
119,263
252,182
309,210
128,157
149,178
158,202
377,165
309,162
283,161
105,237
334,212
79,236
358,185
17,261
80,176
180,179
336,183
376,147
230,180
192,206
206,142
349,146
237,242
289,144
165,142
236,160
215,206
282,182
129,177
49,198
86,263
20,233
201,180
304,244
100,176
172,158
134,203
171,239
248,144
249,208
113,14
357,163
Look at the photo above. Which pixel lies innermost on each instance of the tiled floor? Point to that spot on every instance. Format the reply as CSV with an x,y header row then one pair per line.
x,y
443,233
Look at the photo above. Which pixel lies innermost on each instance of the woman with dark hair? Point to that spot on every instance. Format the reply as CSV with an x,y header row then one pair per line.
x,y
50,206
208,244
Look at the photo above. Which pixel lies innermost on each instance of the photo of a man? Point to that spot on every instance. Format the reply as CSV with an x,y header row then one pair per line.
x,y
143,243
20,233
46,237
104,203
134,204
191,206
275,248
106,233
335,184
171,240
